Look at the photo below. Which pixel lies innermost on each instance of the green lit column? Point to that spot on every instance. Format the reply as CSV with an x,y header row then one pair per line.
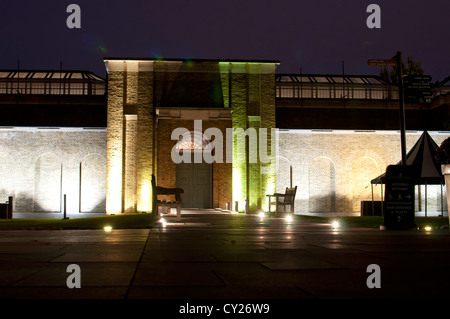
x,y
254,165
249,89
238,102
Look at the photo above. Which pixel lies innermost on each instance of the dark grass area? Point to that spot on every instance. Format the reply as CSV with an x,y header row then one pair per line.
x,y
377,221
128,221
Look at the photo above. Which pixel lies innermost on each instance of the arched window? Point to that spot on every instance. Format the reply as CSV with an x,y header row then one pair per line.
x,y
7,176
193,141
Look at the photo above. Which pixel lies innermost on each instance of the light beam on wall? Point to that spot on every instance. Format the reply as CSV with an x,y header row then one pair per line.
x,y
146,194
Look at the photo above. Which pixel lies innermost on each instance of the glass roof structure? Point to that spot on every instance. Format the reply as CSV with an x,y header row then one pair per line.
x,y
442,87
330,79
32,82
314,86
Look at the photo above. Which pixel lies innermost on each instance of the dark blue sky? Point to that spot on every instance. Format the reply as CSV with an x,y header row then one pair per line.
x,y
315,36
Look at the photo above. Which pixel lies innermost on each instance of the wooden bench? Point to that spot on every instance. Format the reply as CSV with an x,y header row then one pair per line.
x,y
158,190
283,200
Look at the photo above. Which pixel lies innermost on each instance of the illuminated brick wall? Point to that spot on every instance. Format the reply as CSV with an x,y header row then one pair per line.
x,y
114,151
130,146
333,169
137,89
38,166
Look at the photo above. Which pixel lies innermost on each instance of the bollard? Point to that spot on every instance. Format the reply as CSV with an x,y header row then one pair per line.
x,y
65,207
10,207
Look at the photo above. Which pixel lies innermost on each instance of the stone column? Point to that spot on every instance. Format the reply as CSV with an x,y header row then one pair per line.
x,y
145,147
130,163
114,148
238,101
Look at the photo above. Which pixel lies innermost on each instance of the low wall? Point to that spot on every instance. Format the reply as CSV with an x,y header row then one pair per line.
x,y
39,165
333,168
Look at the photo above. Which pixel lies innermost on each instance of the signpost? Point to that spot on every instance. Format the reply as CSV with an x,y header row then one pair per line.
x,y
397,61
399,198
380,62
418,89
399,192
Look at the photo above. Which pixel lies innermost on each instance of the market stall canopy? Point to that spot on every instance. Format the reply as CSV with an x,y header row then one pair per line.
x,y
422,158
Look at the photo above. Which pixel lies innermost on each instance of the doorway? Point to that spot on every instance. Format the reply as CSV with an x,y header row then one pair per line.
x,y
195,180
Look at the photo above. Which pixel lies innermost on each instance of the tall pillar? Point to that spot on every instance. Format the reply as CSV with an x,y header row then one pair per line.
x,y
251,94
130,136
114,142
145,141
130,163
268,121
238,101
254,165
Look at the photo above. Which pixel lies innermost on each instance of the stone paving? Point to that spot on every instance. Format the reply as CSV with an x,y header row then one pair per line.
x,y
219,256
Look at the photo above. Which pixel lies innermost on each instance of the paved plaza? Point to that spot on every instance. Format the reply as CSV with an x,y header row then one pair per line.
x,y
218,256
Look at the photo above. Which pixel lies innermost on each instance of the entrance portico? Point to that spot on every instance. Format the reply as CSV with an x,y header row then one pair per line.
x,y
148,99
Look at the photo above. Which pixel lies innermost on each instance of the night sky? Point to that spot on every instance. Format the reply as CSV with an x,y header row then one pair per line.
x,y
311,36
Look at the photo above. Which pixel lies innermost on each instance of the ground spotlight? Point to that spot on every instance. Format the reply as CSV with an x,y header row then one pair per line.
x,y
107,228
335,224
288,218
427,228
262,215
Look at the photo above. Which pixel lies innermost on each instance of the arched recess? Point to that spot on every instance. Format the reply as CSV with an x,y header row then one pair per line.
x,y
7,176
93,184
47,183
322,185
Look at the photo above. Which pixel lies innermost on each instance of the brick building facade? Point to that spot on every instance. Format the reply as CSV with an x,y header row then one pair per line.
x,y
148,99
64,135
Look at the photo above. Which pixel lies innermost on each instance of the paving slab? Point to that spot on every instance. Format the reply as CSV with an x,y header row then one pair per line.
x,y
218,293
37,294
176,274
93,275
219,256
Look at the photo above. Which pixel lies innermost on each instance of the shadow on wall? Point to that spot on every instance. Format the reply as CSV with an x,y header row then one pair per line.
x,y
330,204
100,207
23,202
